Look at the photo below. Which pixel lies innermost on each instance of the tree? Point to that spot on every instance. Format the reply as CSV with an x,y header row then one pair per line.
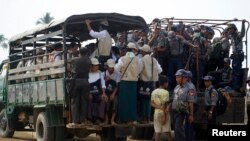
x,y
3,41
47,18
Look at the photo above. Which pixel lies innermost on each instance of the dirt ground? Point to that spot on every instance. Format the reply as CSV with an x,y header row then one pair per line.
x,y
30,136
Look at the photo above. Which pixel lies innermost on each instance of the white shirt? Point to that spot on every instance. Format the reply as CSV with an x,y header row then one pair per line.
x,y
94,76
99,35
116,76
159,69
119,65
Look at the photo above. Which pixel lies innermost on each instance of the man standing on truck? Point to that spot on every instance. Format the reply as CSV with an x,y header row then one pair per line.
x,y
104,41
81,88
130,68
238,54
175,48
148,77
157,42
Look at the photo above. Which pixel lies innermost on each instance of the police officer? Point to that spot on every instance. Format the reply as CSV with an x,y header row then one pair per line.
x,y
190,83
157,41
238,54
211,98
192,89
198,62
175,47
104,41
182,105
226,74
80,92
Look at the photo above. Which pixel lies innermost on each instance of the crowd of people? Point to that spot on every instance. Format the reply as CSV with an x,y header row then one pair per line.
x,y
123,85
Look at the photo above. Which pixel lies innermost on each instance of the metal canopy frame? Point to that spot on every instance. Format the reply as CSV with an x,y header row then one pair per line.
x,y
216,24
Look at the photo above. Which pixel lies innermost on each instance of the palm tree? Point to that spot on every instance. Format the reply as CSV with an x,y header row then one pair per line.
x,y
45,19
3,40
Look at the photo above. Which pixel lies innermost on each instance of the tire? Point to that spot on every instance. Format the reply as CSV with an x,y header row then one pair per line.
x,y
82,134
5,125
43,131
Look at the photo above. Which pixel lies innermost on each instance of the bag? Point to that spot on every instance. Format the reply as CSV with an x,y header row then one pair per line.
x,y
217,52
110,86
221,105
181,107
145,89
95,91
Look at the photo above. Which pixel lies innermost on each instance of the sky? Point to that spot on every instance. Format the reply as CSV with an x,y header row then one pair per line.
x,y
20,15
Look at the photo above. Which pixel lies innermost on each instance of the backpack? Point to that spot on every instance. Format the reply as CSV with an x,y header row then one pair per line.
x,y
217,52
221,105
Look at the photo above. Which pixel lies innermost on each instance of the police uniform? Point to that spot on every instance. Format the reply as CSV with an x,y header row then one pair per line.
x,y
175,59
182,95
226,78
189,126
238,54
160,56
80,92
211,98
202,52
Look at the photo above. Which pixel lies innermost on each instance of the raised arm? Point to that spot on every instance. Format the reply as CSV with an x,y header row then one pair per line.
x,y
243,29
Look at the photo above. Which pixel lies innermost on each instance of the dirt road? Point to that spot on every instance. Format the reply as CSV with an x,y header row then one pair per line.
x,y
30,136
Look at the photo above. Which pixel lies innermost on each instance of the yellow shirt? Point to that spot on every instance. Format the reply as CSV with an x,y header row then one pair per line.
x,y
159,97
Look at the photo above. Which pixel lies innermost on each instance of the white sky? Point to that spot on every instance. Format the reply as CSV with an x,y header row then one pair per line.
x,y
20,15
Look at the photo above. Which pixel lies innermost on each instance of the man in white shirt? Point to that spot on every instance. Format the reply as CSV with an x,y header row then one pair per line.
x,y
148,76
104,41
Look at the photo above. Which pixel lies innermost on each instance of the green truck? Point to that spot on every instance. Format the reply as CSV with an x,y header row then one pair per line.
x,y
42,105
28,103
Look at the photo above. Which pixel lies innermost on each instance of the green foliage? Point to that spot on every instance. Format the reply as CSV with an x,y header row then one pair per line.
x,y
3,41
47,18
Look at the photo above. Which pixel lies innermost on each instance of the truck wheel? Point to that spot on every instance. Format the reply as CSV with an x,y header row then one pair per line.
x,y
5,131
82,134
43,131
